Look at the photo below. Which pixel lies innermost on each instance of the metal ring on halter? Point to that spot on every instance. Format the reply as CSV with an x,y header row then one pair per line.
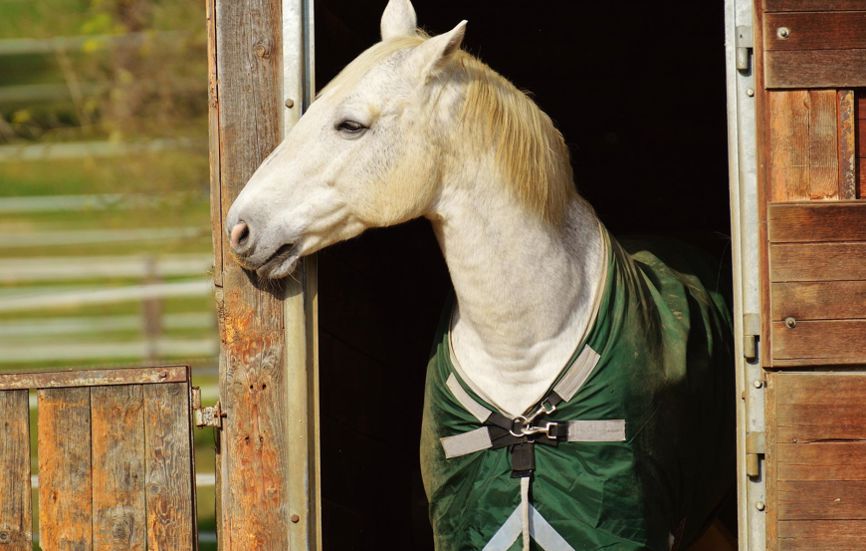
x,y
521,422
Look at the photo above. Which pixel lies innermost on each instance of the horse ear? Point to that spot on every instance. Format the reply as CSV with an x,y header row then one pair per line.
x,y
436,52
398,19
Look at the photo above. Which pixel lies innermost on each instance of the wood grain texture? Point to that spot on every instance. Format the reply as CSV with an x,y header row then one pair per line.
x,y
213,127
94,377
846,115
822,461
816,222
821,535
815,69
117,417
816,31
169,470
860,131
823,155
816,459
16,522
817,261
813,5
822,499
254,494
803,161
788,146
65,485
818,300
819,343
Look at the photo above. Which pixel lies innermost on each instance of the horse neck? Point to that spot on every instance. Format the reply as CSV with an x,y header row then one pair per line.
x,y
525,289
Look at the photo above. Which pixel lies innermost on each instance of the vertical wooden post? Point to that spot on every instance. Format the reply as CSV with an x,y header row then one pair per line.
x,y
16,521
259,58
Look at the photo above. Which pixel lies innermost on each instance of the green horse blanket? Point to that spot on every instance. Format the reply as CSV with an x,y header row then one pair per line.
x,y
633,446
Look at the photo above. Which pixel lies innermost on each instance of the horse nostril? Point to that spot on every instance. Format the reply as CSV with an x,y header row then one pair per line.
x,y
240,235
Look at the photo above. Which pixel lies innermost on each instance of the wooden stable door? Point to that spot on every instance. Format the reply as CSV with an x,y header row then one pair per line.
x,y
115,468
811,75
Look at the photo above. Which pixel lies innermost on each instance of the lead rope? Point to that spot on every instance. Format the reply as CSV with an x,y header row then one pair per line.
x,y
524,510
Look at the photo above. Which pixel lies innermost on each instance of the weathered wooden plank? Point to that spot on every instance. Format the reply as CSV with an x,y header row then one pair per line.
x,y
860,139
788,145
819,387
169,469
846,114
839,421
65,504
823,154
247,47
813,5
117,418
819,343
821,535
815,31
818,300
821,499
96,377
816,221
214,142
815,69
821,461
16,522
817,262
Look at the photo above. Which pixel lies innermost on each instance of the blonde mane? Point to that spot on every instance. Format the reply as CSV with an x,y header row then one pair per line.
x,y
528,148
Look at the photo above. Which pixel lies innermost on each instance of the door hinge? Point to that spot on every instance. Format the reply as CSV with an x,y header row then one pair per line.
x,y
744,43
756,446
211,416
751,333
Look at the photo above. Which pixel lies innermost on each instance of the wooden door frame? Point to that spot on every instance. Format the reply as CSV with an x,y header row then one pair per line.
x,y
260,59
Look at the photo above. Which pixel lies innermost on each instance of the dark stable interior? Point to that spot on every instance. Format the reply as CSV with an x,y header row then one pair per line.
x,y
637,89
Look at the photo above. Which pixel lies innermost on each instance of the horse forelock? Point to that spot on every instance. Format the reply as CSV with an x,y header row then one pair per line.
x,y
530,151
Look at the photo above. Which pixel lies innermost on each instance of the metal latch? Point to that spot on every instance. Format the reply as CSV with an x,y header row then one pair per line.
x,y
744,43
751,332
756,446
211,416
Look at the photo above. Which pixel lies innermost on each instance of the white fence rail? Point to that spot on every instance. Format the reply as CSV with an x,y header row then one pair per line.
x,y
82,325
58,268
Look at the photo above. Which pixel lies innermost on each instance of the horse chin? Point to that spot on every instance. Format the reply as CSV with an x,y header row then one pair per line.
x,y
281,265
280,269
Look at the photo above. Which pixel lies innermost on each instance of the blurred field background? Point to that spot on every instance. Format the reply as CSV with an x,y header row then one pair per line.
x,y
106,248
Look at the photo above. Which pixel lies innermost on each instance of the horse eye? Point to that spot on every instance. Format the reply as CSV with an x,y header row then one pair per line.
x,y
351,127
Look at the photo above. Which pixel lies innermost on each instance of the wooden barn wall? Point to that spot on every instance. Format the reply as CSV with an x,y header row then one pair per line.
x,y
811,70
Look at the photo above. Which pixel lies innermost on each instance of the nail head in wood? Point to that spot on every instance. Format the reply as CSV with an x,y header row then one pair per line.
x,y
783,32
295,519
290,103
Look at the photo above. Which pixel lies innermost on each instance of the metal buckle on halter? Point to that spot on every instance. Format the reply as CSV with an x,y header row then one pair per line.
x,y
525,429
544,408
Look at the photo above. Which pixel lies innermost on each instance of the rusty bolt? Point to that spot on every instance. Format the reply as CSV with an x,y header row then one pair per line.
x,y
295,519
790,322
783,32
5,537
163,375
290,103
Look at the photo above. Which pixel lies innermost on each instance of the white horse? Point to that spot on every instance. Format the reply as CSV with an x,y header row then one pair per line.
x,y
415,127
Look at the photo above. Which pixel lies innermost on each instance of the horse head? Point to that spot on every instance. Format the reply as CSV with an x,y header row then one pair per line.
x,y
369,152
